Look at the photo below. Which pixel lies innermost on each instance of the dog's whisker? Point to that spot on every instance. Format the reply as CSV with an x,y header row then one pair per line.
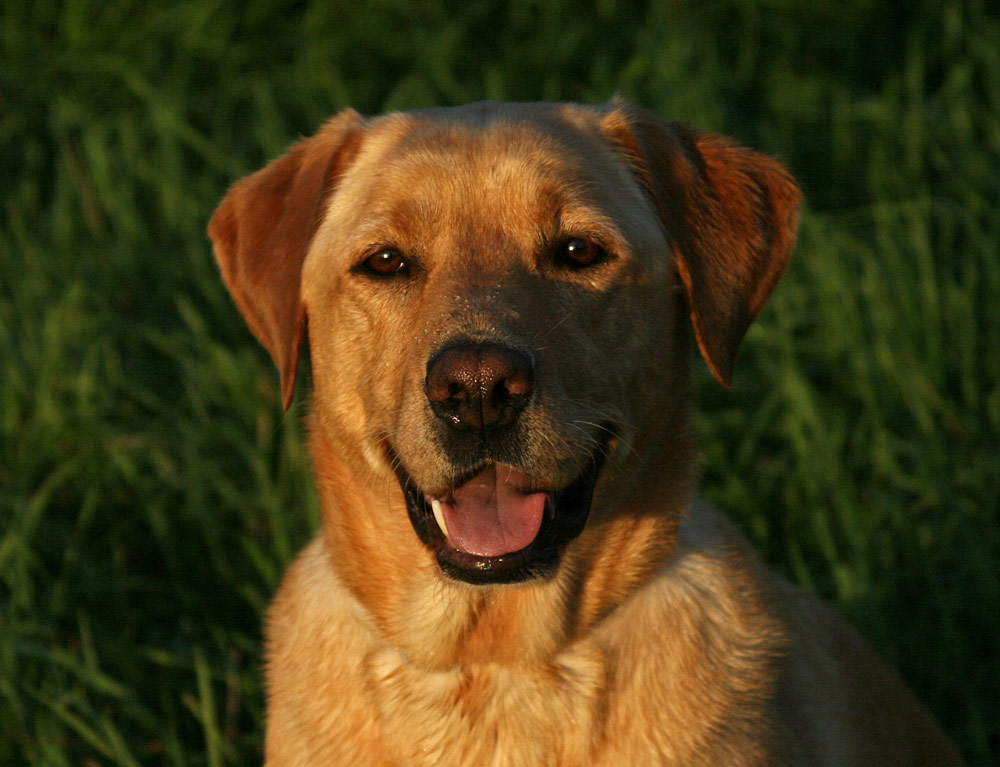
x,y
566,316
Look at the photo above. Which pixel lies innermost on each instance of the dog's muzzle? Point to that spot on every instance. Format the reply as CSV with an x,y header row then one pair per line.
x,y
495,524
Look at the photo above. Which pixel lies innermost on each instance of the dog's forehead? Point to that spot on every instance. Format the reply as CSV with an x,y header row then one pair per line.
x,y
459,155
518,167
549,134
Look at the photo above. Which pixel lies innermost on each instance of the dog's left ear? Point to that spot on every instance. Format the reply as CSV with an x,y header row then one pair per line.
x,y
262,230
730,214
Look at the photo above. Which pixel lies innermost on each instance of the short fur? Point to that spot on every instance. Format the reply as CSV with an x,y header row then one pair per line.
x,y
660,640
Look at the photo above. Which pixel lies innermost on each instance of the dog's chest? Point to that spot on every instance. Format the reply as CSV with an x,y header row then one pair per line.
x,y
491,715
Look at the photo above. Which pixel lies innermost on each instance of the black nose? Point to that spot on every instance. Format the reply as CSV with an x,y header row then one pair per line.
x,y
478,386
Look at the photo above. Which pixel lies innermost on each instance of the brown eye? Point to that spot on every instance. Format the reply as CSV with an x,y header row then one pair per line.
x,y
578,253
385,262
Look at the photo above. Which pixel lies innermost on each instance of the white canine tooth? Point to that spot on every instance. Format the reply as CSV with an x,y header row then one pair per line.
x,y
439,515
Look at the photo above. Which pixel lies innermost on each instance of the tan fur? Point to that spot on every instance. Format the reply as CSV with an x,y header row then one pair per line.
x,y
660,640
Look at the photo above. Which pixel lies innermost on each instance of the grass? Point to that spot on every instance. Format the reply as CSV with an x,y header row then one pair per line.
x,y
151,492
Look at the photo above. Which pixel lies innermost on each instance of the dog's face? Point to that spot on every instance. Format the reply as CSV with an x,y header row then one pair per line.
x,y
491,286
496,299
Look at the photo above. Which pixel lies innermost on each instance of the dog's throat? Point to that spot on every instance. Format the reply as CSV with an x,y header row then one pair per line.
x,y
494,513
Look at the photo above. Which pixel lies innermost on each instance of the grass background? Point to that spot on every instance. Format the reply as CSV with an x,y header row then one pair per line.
x,y
151,491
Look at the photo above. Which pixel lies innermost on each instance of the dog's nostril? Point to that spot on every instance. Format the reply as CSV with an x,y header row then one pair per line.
x,y
479,386
516,385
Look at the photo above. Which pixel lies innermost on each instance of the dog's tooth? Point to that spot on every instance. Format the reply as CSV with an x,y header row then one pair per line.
x,y
439,515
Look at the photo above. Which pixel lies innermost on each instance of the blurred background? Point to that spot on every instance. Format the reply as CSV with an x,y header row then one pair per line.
x,y
152,491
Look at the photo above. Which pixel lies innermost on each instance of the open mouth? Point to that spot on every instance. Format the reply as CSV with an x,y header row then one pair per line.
x,y
495,526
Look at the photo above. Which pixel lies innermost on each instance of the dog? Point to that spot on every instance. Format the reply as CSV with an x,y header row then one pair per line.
x,y
513,567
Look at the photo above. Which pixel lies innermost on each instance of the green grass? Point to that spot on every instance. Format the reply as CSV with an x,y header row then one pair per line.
x,y
151,492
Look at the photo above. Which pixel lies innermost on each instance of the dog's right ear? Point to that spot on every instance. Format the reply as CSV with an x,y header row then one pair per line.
x,y
261,233
730,213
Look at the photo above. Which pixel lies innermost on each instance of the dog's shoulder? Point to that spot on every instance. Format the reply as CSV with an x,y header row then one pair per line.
x,y
832,695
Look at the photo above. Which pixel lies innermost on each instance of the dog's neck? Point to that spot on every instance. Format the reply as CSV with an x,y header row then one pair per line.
x,y
442,624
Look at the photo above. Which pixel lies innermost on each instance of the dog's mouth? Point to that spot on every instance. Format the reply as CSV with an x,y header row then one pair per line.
x,y
495,525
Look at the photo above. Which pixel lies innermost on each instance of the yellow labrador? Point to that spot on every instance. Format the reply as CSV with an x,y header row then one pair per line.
x,y
512,568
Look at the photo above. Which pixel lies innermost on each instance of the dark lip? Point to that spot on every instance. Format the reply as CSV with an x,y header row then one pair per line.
x,y
566,513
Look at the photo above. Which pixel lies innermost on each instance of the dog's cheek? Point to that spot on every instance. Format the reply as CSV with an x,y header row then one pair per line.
x,y
618,352
358,342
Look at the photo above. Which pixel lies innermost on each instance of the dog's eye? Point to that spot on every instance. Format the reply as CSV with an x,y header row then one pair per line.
x,y
578,253
385,262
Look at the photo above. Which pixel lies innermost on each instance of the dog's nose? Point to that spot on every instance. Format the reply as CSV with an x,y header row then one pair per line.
x,y
477,386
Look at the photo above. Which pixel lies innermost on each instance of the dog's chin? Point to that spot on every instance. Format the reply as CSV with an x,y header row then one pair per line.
x,y
539,524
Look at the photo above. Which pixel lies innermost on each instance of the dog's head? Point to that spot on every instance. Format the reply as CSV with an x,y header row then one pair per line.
x,y
496,299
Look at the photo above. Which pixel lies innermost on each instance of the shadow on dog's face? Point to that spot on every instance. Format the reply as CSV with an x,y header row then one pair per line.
x,y
500,292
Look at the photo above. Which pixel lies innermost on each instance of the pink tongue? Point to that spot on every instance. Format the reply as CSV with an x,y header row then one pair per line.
x,y
493,513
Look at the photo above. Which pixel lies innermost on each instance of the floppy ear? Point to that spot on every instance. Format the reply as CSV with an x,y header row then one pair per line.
x,y
261,233
730,214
